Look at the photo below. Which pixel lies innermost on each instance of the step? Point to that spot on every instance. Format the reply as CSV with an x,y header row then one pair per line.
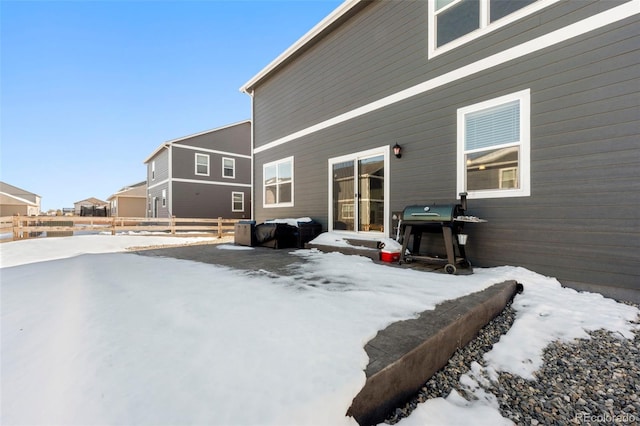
x,y
403,356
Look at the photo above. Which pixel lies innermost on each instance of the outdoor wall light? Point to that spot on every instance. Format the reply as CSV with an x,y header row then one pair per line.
x,y
397,150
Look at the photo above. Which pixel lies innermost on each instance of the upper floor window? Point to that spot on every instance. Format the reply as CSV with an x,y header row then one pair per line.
x,y
455,19
455,22
228,167
153,170
164,198
278,183
202,164
493,147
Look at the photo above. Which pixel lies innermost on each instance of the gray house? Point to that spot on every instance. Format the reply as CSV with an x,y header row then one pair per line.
x,y
205,175
532,107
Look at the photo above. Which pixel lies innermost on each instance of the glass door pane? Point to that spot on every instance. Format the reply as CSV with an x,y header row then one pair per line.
x,y
344,196
371,194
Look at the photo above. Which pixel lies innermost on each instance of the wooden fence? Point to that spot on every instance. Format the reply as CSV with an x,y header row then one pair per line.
x,y
20,227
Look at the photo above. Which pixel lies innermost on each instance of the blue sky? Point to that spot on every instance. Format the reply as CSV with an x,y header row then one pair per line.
x,y
90,88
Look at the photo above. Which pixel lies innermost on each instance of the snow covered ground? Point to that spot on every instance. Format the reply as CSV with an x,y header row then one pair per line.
x,y
91,334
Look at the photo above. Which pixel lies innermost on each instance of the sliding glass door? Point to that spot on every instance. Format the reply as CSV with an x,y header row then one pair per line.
x,y
358,192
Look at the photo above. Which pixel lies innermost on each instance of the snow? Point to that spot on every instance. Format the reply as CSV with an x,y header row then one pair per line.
x,y
290,221
337,239
94,335
43,249
331,239
232,247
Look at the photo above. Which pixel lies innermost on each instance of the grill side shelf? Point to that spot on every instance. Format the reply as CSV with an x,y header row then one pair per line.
x,y
470,219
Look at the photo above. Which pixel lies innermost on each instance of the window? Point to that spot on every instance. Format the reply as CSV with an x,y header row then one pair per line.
x,y
228,168
509,178
278,183
164,198
347,211
202,164
493,147
455,22
153,170
237,201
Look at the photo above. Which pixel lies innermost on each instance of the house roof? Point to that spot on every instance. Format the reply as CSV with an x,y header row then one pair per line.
x,y
325,26
18,192
138,190
132,186
169,142
10,200
92,200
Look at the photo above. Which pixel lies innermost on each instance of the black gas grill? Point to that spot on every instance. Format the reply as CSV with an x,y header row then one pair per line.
x,y
433,220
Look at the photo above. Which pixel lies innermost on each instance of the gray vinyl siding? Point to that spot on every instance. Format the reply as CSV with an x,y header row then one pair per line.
x,y
581,222
156,191
184,166
162,168
156,184
228,139
379,52
197,200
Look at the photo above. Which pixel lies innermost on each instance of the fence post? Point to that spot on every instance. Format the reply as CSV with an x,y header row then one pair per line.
x,y
219,227
113,225
15,228
173,225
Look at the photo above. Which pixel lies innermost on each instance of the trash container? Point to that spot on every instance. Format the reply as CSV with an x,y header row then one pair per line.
x,y
245,233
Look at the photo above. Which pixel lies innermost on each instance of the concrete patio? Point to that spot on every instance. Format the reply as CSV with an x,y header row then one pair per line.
x,y
402,356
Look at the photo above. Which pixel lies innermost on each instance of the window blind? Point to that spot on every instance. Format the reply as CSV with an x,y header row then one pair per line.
x,y
493,126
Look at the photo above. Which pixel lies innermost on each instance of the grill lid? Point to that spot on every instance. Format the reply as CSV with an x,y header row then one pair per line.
x,y
433,213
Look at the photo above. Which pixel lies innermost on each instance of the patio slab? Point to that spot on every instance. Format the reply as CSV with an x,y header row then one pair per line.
x,y
403,356
249,258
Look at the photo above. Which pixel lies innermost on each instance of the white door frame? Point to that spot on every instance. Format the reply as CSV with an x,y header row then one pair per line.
x,y
384,151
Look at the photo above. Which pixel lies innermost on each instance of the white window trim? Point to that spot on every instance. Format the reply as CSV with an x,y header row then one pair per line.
x,y
233,167
264,189
485,26
198,154
210,151
233,194
524,160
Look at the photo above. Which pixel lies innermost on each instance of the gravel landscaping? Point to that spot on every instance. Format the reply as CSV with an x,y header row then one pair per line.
x,y
588,381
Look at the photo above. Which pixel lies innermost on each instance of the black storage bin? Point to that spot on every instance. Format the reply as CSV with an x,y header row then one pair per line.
x,y
307,231
245,233
276,235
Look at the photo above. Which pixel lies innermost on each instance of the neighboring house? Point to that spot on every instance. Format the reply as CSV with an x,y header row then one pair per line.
x,y
91,207
532,107
206,175
17,201
130,201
